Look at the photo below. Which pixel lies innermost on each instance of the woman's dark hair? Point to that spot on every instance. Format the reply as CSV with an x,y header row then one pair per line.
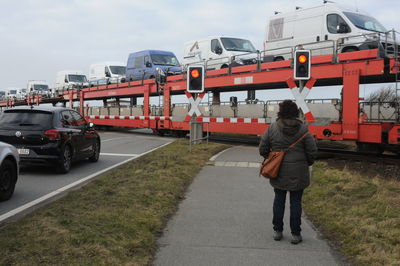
x,y
288,110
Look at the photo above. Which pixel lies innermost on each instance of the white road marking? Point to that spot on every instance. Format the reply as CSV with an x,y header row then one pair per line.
x,y
119,154
133,133
238,164
67,187
218,154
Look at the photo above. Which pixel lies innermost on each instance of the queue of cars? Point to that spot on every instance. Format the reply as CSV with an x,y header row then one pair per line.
x,y
13,93
34,87
142,65
56,136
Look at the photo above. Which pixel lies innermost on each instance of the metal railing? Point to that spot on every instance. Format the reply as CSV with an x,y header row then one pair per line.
x,y
277,54
379,111
247,58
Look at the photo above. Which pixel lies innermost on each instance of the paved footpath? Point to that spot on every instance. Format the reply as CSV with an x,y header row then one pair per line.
x,y
226,218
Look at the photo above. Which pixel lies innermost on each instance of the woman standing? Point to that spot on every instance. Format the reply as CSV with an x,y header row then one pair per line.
x,y
294,174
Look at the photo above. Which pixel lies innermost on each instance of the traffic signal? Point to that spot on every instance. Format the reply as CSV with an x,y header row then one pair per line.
x,y
302,64
195,79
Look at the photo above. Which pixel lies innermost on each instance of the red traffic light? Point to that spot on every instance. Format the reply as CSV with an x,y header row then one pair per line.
x,y
195,79
302,59
302,64
195,73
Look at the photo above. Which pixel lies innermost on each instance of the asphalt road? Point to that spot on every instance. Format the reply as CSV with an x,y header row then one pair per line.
x,y
38,184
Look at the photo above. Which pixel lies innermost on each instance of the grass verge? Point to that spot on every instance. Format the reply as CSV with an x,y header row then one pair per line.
x,y
361,215
114,220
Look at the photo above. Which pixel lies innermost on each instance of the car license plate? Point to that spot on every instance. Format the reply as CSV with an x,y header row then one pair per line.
x,y
23,151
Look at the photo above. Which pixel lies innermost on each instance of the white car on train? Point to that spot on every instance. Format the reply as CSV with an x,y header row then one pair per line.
x,y
16,94
70,79
219,52
38,87
322,27
107,73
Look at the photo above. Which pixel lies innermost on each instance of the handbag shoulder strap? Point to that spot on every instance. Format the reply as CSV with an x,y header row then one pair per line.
x,y
297,141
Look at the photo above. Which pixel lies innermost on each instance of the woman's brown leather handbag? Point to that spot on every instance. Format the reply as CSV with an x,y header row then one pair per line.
x,y
271,165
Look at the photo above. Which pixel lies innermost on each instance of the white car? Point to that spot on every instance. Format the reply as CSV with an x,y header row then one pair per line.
x,y
107,73
324,29
15,94
38,87
219,52
9,169
70,79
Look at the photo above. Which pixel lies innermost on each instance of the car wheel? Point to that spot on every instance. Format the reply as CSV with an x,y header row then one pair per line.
x,y
96,152
8,178
64,164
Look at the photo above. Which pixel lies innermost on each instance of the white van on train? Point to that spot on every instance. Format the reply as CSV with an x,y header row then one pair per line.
x,y
16,94
323,29
38,87
219,52
107,73
70,79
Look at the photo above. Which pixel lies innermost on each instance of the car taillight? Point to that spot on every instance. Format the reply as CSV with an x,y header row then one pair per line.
x,y
53,134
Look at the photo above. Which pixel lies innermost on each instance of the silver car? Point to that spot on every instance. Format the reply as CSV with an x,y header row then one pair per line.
x,y
9,162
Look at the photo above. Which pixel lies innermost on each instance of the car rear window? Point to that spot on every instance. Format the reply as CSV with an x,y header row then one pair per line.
x,y
26,119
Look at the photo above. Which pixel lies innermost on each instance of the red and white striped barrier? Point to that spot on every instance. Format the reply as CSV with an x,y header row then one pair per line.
x,y
127,117
203,119
232,120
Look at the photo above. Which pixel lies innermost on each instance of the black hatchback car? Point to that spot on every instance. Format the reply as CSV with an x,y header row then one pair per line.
x,y
50,134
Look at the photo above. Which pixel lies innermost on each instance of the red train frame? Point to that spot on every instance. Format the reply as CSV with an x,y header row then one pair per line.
x,y
347,70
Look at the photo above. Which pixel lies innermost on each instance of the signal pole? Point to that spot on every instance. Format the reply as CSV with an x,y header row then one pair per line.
x,y
195,85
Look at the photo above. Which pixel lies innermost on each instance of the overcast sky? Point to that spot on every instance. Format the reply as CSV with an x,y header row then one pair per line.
x,y
41,37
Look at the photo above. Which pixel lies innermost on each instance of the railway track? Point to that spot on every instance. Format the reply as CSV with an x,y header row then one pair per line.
x,y
324,152
235,140
361,156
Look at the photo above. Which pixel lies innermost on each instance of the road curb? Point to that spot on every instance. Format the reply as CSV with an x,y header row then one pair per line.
x,y
212,159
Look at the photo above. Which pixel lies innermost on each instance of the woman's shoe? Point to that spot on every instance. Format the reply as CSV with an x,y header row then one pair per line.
x,y
296,239
277,235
